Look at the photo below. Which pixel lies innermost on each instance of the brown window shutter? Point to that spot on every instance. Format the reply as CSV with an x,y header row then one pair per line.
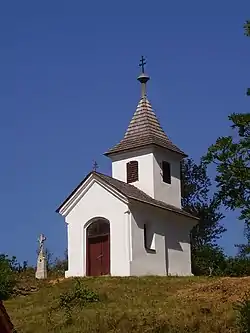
x,y
132,172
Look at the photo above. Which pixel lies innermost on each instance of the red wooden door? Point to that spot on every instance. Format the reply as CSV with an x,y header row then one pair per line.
x,y
98,255
94,256
105,255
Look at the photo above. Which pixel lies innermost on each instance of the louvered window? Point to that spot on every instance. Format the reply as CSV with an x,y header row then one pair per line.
x,y
132,172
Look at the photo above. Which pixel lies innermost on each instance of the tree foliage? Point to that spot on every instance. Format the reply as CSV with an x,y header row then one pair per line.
x,y
231,155
196,200
247,28
7,276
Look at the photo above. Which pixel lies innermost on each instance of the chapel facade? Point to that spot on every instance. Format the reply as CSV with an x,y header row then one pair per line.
x,y
132,223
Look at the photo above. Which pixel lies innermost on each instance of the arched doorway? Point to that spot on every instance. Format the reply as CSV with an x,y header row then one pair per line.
x,y
98,248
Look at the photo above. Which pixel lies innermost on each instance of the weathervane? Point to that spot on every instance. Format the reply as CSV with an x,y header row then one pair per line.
x,y
142,64
95,166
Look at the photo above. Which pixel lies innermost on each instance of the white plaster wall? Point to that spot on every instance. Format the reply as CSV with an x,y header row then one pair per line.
x,y
169,193
145,160
150,173
98,202
172,255
146,262
178,242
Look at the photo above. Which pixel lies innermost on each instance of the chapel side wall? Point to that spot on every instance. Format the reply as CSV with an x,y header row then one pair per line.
x,y
98,202
172,254
169,193
145,262
179,249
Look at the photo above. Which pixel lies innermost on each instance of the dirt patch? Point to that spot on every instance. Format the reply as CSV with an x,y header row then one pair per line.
x,y
55,281
225,289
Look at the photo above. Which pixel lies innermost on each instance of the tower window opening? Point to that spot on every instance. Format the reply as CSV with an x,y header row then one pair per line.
x,y
132,172
166,172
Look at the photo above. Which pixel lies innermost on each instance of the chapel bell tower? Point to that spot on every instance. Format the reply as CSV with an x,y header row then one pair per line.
x,y
145,157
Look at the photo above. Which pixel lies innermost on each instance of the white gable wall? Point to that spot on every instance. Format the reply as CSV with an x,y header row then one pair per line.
x,y
172,244
98,202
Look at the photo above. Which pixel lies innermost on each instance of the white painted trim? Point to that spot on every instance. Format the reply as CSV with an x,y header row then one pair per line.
x,y
129,233
76,197
130,236
85,227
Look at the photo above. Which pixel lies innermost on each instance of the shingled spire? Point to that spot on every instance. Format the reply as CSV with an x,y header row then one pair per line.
x,y
144,128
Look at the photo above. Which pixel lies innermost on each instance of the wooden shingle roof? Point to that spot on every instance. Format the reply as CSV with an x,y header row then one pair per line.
x,y
134,193
144,129
129,191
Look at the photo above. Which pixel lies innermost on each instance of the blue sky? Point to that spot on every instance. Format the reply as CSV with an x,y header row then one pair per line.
x,y
68,90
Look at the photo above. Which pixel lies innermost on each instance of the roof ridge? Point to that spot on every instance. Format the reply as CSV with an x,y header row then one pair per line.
x,y
130,191
146,198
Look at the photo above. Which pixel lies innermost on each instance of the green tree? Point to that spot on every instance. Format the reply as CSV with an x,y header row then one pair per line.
x,y
196,200
247,28
7,276
231,155
61,265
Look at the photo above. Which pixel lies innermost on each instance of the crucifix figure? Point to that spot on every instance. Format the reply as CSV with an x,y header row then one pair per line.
x,y
41,241
142,64
95,166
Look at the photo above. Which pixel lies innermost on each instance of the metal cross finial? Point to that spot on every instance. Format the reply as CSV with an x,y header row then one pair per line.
x,y
142,64
95,166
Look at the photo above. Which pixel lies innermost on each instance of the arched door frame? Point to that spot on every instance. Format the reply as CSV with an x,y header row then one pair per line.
x,y
101,229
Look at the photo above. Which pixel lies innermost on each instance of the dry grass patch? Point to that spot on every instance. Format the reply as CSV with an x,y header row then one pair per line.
x,y
147,304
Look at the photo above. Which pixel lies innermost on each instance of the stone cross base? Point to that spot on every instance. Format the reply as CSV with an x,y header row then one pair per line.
x,y
41,268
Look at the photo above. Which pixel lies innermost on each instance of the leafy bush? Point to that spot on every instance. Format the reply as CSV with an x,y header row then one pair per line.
x,y
243,314
237,266
78,296
59,267
208,260
7,277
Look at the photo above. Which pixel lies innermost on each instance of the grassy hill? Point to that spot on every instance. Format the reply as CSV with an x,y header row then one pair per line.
x,y
148,304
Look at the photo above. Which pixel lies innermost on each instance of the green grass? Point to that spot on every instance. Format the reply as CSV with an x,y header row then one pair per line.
x,y
147,304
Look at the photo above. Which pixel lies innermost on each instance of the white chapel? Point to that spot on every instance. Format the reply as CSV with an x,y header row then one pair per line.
x,y
131,223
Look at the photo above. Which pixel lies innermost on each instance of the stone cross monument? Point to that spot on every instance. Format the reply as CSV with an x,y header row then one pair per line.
x,y
41,268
